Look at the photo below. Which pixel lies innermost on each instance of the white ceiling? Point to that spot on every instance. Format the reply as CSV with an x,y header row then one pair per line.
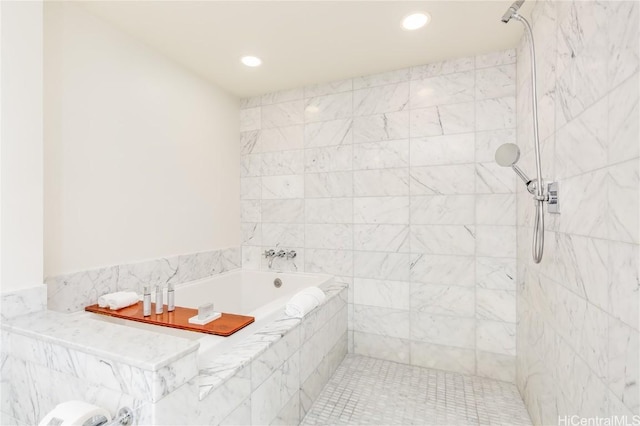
x,y
307,42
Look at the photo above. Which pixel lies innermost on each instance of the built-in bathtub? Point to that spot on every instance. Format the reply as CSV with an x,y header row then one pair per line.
x,y
242,292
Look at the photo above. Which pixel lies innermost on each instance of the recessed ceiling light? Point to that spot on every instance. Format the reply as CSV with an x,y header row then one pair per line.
x,y
251,61
415,21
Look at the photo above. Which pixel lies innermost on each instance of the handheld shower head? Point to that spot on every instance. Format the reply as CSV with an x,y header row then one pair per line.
x,y
507,155
513,9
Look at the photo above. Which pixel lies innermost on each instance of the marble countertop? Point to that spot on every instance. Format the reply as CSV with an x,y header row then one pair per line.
x,y
141,348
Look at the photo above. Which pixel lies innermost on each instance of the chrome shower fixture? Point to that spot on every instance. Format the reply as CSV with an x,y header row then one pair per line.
x,y
508,154
513,10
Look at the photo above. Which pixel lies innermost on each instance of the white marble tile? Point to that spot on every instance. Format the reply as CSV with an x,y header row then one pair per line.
x,y
443,330
394,266
328,133
282,235
496,113
265,364
335,262
281,138
250,119
496,58
495,241
624,49
251,165
496,366
443,357
283,114
442,270
442,90
249,142
283,211
584,210
443,300
329,159
389,210
443,239
496,305
332,236
328,88
323,185
493,179
281,96
387,238
381,293
328,210
623,374
71,293
623,123
250,210
328,107
381,99
495,209
251,234
441,180
381,321
22,302
496,82
381,79
282,163
381,155
445,67
380,182
624,282
496,273
280,187
250,188
250,102
442,150
487,142
251,258
381,127
382,347
443,120
584,142
622,216
442,210
496,337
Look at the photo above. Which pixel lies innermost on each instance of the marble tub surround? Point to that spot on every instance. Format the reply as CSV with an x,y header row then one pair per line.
x,y
578,329
76,357
272,377
388,182
72,292
22,302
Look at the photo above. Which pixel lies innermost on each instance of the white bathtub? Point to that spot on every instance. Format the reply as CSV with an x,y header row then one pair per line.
x,y
242,292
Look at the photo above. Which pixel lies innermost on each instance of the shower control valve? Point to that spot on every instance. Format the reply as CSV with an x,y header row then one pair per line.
x,y
269,253
291,254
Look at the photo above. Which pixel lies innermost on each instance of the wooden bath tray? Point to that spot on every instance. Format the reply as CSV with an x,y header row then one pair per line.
x,y
226,325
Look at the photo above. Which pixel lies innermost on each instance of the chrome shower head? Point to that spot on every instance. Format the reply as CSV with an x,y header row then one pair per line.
x,y
512,10
507,155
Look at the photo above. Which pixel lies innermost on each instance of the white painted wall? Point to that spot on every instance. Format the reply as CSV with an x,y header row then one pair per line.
x,y
141,156
21,153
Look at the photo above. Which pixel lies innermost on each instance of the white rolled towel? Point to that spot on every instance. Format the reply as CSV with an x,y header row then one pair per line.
x,y
304,302
118,300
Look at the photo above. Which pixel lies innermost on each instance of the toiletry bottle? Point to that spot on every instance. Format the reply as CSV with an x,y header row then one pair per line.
x,y
171,301
159,302
146,302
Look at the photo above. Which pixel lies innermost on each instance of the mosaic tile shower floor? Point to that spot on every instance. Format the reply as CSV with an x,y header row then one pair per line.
x,y
367,391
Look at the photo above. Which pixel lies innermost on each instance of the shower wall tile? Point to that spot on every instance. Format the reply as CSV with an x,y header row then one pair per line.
x,y
577,314
388,182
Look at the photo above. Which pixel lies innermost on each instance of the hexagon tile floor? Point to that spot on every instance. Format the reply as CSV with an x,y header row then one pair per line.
x,y
367,391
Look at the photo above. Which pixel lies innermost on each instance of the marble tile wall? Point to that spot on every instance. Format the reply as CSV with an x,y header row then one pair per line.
x,y
388,182
577,351
72,292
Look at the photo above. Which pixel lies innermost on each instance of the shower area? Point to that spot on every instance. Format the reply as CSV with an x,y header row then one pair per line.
x,y
470,285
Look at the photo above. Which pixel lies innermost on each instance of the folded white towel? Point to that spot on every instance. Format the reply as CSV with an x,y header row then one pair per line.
x,y
304,302
118,300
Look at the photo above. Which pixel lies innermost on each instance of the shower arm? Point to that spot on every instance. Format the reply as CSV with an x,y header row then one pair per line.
x,y
531,185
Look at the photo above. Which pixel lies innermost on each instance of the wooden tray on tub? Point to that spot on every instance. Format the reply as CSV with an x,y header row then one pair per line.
x,y
226,325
